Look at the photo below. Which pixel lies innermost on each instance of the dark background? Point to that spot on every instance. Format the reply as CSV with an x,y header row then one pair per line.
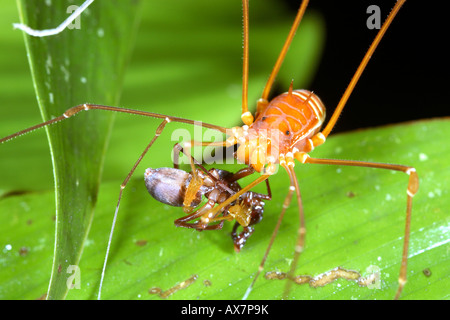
x,y
408,75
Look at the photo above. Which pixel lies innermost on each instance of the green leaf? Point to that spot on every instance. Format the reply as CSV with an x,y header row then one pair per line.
x,y
83,64
354,218
188,64
183,54
354,232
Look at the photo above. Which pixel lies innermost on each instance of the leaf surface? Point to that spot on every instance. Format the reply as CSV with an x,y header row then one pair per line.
x,y
65,73
185,69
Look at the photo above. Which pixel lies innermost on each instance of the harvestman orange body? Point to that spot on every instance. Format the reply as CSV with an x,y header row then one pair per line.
x,y
282,131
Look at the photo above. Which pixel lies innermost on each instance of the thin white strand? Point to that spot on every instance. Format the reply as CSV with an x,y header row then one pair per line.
x,y
58,29
107,250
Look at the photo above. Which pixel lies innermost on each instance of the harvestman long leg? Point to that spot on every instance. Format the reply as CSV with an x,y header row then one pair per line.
x,y
413,186
166,119
86,107
246,116
293,186
287,163
413,183
319,139
262,103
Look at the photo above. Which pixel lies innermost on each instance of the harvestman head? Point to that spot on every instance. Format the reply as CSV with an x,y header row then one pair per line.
x,y
283,130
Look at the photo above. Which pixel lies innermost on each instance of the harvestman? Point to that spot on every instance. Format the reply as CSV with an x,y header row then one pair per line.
x,y
283,130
